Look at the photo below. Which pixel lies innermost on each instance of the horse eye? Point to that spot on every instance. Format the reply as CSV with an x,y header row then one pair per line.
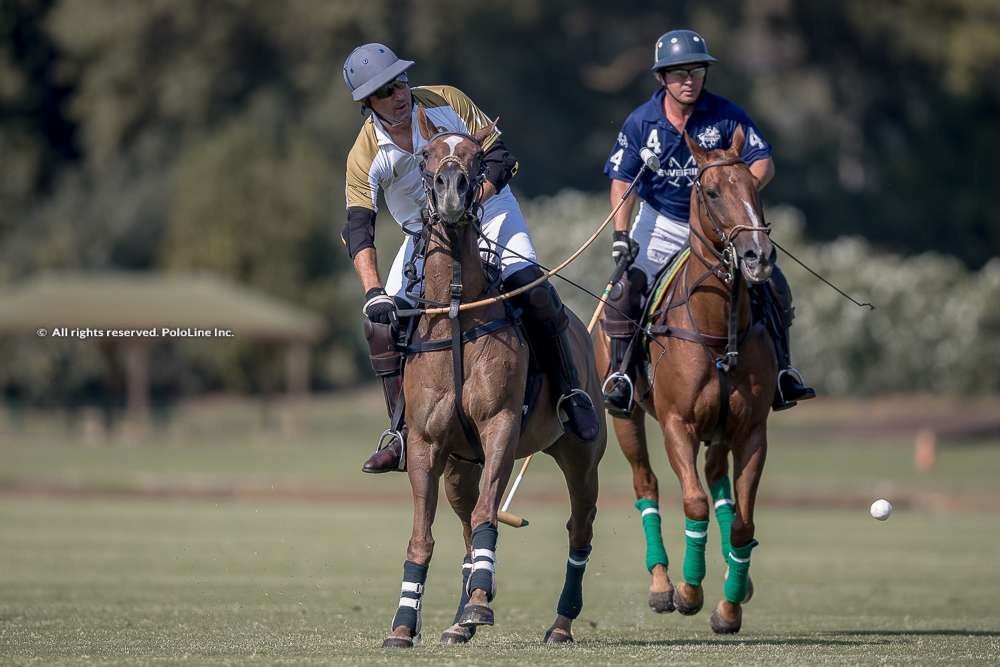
x,y
712,194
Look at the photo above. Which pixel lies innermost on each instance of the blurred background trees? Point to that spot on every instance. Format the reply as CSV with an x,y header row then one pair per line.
x,y
210,135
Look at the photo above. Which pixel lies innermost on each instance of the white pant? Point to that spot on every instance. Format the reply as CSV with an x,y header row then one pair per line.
x,y
659,239
502,223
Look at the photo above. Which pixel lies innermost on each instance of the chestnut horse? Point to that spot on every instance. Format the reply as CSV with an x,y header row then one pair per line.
x,y
474,440
711,379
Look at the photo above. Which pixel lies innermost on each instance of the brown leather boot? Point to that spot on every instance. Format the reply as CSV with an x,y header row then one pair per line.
x,y
386,459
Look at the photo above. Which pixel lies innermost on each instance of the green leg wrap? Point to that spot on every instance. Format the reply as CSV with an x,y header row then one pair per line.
x,y
696,535
738,560
723,497
656,554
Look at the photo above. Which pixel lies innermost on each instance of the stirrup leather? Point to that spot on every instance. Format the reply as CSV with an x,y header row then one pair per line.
x,y
612,381
386,439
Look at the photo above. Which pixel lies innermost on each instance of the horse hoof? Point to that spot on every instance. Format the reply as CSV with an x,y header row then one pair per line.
x,y
555,636
476,614
689,607
723,627
456,634
662,602
400,642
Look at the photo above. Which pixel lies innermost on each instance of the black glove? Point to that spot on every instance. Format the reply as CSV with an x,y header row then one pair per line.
x,y
380,307
623,247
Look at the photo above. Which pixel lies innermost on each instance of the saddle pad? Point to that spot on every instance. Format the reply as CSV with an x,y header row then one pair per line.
x,y
663,282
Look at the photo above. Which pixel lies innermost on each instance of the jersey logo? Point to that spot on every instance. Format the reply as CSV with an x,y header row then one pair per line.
x,y
622,140
709,137
675,172
755,140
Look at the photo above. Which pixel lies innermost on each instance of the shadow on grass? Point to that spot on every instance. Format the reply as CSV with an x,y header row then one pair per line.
x,y
915,633
791,641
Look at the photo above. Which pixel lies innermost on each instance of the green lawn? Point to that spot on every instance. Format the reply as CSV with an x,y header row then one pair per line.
x,y
232,583
220,446
268,578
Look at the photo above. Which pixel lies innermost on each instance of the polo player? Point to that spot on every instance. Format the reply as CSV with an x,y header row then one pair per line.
x,y
680,104
384,160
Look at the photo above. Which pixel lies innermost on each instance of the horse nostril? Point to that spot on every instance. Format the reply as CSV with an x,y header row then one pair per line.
x,y
463,183
750,256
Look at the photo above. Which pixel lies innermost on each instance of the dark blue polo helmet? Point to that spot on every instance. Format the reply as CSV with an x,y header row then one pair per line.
x,y
680,47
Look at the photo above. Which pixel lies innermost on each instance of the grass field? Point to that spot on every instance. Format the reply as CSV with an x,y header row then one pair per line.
x,y
262,576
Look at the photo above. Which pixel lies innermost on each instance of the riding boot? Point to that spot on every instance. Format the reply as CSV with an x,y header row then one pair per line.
x,y
390,453
623,310
546,322
791,386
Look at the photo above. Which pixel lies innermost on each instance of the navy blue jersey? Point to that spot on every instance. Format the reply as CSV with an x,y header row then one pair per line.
x,y
711,124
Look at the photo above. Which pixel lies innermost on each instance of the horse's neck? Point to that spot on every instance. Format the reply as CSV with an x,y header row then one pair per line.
x,y
708,303
438,272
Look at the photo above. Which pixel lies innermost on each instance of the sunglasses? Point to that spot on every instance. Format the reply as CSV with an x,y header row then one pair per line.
x,y
681,74
388,89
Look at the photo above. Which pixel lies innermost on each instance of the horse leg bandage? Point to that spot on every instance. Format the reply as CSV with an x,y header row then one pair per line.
x,y
571,598
410,596
656,554
723,497
696,537
466,571
484,558
738,560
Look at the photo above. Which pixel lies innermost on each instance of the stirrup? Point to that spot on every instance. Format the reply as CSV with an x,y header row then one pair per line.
x,y
615,378
782,403
565,397
385,440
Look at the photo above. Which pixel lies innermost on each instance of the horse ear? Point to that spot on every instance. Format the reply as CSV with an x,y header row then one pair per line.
x,y
427,129
481,135
736,145
699,153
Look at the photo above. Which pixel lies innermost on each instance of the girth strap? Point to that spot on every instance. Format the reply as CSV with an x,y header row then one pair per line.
x,y
467,337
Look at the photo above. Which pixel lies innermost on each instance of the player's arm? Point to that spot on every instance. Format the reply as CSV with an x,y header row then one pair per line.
x,y
623,218
359,237
499,166
358,234
763,172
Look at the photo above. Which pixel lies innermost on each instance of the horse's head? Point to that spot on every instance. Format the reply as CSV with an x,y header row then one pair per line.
x,y
728,211
451,166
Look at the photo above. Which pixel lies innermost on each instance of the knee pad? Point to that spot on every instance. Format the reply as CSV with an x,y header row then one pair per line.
x,y
782,293
386,358
625,304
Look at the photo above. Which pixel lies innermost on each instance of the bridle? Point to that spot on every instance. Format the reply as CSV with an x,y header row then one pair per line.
x,y
728,262
475,183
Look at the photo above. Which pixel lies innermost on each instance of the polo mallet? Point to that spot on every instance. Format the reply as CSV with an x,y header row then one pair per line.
x,y
649,161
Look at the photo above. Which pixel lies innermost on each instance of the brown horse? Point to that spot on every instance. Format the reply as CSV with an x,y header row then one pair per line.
x,y
711,379
476,457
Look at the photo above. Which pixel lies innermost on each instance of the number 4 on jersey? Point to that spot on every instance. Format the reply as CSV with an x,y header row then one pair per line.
x,y
616,158
653,141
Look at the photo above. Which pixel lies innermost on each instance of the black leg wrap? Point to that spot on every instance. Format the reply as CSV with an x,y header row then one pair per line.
x,y
410,596
571,598
484,557
466,571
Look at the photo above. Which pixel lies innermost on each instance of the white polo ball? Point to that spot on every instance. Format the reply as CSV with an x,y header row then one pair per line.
x,y
881,509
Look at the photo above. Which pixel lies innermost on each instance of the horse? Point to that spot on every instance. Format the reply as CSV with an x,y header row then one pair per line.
x,y
464,409
711,378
